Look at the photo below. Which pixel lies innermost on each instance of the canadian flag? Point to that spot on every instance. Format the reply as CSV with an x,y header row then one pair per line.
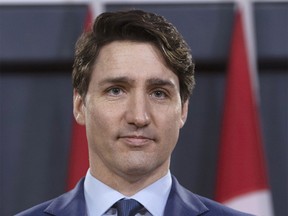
x,y
78,157
241,175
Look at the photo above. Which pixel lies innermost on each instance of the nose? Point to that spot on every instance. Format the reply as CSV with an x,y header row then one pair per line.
x,y
138,111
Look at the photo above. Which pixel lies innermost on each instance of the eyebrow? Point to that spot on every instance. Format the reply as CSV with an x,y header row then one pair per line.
x,y
123,80
127,80
160,82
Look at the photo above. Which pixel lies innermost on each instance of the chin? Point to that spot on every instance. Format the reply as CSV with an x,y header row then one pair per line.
x,y
140,170
137,169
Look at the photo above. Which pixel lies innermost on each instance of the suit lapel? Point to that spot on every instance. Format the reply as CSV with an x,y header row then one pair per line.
x,y
70,203
183,202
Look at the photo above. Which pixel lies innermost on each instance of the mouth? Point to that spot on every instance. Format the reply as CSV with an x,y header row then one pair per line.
x,y
136,141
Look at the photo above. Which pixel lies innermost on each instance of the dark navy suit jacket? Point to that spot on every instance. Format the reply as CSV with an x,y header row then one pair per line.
x,y
181,202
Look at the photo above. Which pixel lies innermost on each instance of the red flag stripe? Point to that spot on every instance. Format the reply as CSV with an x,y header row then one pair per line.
x,y
78,161
241,167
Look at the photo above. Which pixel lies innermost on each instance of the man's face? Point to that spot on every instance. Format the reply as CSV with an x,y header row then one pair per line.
x,y
132,111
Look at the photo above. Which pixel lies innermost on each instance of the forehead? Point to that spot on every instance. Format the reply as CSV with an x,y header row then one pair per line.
x,y
127,52
136,60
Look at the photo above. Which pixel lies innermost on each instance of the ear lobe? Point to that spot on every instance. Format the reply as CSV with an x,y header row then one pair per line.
x,y
78,108
184,113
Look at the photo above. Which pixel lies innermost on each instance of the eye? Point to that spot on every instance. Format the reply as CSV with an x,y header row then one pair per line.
x,y
115,91
159,94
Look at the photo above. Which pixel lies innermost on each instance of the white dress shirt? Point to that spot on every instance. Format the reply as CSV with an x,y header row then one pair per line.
x,y
100,197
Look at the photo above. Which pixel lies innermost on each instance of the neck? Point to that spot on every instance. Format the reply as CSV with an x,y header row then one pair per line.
x,y
128,184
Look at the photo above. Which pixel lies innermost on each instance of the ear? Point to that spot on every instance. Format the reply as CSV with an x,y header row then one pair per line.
x,y
78,108
184,113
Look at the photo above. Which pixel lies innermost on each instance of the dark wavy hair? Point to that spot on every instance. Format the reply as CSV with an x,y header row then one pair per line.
x,y
139,26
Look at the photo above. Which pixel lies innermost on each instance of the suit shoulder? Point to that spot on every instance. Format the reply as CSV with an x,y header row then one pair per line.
x,y
37,210
219,209
194,204
72,200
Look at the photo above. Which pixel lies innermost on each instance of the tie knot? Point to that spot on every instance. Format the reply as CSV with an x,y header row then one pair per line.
x,y
127,207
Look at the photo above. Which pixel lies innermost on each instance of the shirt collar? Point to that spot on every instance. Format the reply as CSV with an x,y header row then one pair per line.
x,y
100,197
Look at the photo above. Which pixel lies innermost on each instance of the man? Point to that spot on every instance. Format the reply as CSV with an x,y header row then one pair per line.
x,y
133,76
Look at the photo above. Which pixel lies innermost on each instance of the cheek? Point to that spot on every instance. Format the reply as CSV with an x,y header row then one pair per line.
x,y
99,120
171,117
171,122
100,110
100,130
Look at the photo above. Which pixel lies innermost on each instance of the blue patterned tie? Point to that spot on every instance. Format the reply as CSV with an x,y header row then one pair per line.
x,y
127,207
